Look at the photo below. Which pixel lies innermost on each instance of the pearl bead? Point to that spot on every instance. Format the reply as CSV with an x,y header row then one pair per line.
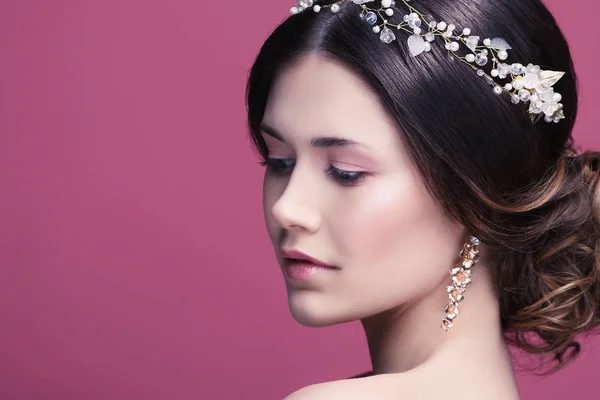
x,y
441,25
524,95
503,54
470,57
317,8
518,83
386,3
508,86
294,10
497,90
557,97
376,29
466,31
335,8
487,42
389,12
494,73
416,31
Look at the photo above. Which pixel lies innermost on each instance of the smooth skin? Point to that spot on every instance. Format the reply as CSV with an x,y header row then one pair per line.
x,y
390,240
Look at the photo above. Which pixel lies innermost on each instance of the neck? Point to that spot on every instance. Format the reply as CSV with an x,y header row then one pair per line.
x,y
408,336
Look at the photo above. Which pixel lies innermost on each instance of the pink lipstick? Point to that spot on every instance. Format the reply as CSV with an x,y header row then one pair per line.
x,y
300,266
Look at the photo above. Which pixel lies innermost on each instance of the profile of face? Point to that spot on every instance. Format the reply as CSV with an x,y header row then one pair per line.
x,y
356,202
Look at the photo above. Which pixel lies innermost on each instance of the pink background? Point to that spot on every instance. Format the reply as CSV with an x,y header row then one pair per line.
x,y
134,260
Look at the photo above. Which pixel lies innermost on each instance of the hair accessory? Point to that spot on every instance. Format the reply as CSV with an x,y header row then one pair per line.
x,y
527,84
461,278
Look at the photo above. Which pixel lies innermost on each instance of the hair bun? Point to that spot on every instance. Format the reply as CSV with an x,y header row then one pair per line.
x,y
560,296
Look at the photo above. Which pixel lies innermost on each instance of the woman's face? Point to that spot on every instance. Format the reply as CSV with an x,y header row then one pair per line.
x,y
356,203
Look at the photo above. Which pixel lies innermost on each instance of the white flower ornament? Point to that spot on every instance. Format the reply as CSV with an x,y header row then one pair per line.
x,y
527,84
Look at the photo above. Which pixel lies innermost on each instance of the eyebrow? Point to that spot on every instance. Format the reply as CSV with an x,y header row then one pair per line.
x,y
320,142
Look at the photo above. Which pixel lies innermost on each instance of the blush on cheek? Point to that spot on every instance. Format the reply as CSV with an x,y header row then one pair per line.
x,y
388,220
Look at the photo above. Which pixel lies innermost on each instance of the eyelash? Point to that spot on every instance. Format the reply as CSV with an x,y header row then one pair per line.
x,y
346,178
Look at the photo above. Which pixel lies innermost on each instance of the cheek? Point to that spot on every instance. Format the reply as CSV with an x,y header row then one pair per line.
x,y
387,219
381,236
386,240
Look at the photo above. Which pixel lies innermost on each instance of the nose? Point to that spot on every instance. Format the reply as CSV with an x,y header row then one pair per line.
x,y
297,207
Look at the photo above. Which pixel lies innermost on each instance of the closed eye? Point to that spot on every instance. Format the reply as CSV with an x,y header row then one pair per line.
x,y
282,166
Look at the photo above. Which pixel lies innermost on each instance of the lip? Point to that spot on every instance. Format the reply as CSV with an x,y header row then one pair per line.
x,y
293,254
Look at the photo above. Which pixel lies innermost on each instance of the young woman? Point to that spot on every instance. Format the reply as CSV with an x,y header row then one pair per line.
x,y
422,178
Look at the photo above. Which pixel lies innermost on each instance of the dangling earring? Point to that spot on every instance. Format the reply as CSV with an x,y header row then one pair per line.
x,y
461,277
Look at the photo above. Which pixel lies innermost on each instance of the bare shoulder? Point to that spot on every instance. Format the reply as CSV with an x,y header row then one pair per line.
x,y
343,389
380,387
404,386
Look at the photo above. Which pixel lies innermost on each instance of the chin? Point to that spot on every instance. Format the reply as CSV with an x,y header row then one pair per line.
x,y
313,309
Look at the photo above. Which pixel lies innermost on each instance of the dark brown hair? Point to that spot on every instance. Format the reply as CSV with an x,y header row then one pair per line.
x,y
524,189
